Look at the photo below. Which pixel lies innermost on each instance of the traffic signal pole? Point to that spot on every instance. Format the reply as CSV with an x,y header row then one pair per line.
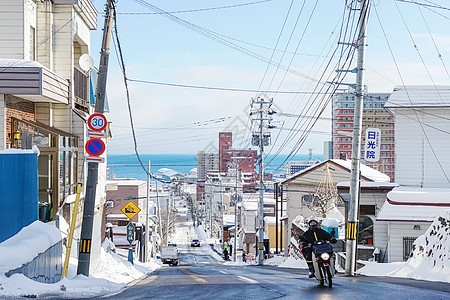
x,y
84,252
353,204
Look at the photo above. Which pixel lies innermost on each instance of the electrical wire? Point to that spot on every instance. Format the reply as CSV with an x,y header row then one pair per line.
x,y
407,93
198,9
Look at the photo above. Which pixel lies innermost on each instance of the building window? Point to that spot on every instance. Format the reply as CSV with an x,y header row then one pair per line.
x,y
32,43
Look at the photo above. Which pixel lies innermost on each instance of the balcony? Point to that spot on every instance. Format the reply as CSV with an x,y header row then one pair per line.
x,y
32,81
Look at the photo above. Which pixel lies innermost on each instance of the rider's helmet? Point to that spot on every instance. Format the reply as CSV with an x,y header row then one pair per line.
x,y
313,223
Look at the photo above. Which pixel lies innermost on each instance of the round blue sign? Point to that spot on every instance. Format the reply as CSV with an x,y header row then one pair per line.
x,y
95,147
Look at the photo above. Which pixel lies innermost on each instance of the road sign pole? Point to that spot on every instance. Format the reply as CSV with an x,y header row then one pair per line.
x,y
84,255
130,239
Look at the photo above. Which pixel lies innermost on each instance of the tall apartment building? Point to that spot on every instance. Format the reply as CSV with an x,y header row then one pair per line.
x,y
225,144
374,116
206,162
228,157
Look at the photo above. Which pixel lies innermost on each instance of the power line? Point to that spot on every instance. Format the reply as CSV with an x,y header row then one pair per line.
x,y
196,10
407,94
217,88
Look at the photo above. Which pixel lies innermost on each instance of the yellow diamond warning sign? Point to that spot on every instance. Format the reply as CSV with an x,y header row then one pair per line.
x,y
130,210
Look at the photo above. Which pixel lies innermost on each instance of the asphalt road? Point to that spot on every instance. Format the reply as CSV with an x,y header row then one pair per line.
x,y
200,276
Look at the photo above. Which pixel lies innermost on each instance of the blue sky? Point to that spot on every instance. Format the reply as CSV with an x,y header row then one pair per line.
x,y
185,120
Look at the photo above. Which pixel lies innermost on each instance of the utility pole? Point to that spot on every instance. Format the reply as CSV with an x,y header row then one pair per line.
x,y
159,211
210,215
221,210
84,252
261,138
235,213
353,205
168,219
147,227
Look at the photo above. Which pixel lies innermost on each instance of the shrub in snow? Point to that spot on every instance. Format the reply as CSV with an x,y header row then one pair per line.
x,y
431,253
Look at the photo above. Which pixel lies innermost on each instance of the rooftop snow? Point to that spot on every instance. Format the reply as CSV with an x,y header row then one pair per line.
x,y
419,96
366,171
414,204
126,181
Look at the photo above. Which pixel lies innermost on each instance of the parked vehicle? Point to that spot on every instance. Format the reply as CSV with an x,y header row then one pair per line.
x,y
169,255
195,243
323,260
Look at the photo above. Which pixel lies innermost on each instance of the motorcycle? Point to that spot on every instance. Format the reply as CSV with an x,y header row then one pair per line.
x,y
323,261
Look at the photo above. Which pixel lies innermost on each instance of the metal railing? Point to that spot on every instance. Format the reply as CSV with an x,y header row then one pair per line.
x,y
408,243
80,87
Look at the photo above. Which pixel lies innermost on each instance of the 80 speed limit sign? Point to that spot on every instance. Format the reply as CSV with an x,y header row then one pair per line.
x,y
97,122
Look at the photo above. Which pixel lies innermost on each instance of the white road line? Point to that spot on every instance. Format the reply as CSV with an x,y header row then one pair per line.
x,y
247,279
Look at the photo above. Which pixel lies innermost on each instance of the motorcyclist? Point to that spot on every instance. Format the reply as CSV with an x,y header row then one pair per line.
x,y
314,233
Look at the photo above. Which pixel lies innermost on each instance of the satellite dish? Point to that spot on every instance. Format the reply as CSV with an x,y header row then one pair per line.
x,y
86,62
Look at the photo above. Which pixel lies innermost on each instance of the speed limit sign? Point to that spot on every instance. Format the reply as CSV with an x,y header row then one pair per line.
x,y
97,122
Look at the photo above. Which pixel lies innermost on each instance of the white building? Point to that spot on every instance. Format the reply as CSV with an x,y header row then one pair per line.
x,y
45,93
422,165
407,214
297,188
206,162
422,122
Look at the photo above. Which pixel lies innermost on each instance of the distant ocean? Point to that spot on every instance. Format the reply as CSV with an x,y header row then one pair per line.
x,y
127,166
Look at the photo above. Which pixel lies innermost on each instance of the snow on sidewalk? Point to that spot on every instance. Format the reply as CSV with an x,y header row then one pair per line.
x,y
111,275
431,256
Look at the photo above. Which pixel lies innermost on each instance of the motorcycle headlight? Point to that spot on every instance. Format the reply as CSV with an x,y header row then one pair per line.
x,y
325,256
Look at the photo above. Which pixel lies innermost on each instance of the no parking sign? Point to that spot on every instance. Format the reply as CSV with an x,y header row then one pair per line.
x,y
95,147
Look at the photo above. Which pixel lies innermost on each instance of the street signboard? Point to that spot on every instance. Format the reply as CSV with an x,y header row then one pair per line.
x,y
130,232
97,122
95,147
372,145
94,159
130,209
98,135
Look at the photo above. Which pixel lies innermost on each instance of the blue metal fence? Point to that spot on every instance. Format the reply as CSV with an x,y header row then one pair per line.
x,y
19,203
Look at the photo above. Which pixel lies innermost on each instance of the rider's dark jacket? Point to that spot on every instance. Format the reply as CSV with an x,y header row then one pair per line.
x,y
316,234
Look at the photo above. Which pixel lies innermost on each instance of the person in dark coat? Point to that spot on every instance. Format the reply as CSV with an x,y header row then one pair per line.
x,y
314,233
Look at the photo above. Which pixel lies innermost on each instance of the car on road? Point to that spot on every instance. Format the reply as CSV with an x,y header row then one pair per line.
x,y
195,243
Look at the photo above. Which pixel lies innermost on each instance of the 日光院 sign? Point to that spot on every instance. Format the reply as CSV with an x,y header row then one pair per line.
x,y
372,145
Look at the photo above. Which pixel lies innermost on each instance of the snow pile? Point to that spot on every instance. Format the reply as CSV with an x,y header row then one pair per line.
x,y
292,262
27,244
111,276
336,214
274,261
330,222
431,253
430,259
299,221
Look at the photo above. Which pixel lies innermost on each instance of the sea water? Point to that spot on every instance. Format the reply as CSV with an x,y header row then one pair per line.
x,y
128,166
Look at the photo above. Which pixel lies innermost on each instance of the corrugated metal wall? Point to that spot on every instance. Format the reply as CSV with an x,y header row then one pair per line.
x,y
46,267
19,202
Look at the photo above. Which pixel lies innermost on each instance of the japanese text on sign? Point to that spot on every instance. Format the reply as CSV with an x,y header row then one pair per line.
x,y
372,145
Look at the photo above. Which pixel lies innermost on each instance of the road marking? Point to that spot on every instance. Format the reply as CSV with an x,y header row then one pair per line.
x,y
223,272
247,279
198,279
